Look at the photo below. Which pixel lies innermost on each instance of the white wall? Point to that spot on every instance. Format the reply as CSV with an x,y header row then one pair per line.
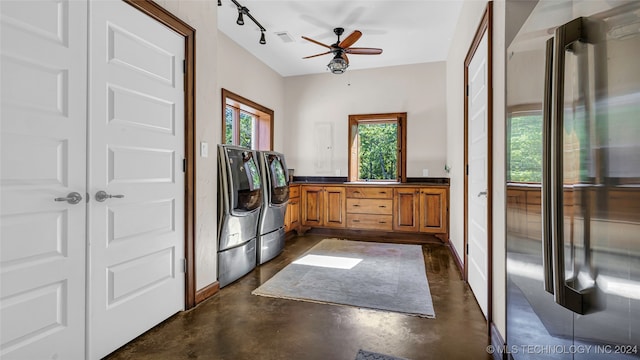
x,y
470,16
243,74
202,16
499,168
417,89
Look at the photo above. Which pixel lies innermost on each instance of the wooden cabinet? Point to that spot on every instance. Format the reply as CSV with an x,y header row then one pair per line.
x,y
323,206
292,216
434,210
406,202
417,209
369,208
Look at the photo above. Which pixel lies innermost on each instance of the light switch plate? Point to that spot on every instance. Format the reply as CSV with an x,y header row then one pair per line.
x,y
204,149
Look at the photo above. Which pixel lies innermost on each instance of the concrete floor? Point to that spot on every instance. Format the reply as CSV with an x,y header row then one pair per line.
x,y
235,325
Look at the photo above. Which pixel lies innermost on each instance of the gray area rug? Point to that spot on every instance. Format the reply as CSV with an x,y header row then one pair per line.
x,y
364,274
368,355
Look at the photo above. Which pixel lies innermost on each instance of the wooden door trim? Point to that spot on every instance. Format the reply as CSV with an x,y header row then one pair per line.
x,y
176,24
485,26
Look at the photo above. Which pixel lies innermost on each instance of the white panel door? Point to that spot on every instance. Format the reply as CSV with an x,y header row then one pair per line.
x,y
136,144
43,132
477,179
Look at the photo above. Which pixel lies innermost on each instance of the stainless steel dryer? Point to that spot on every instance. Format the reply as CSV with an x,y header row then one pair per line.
x,y
275,196
239,202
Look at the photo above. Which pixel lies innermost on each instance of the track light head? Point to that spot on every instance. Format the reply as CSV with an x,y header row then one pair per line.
x,y
240,20
219,3
262,39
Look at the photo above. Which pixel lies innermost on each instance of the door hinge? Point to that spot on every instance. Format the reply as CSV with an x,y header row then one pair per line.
x,y
184,165
184,66
467,90
467,248
467,169
184,266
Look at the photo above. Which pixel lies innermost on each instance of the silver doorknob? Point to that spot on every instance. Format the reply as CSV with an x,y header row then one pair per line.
x,y
72,198
482,193
102,196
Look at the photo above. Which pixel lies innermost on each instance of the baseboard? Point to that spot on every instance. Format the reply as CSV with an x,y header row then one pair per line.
x,y
207,292
457,259
498,346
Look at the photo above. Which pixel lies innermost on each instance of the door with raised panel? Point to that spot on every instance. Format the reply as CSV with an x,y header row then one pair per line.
x,y
43,143
312,205
136,146
405,203
433,210
335,203
477,236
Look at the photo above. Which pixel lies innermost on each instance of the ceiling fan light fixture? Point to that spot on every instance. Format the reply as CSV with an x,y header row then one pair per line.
x,y
337,65
262,39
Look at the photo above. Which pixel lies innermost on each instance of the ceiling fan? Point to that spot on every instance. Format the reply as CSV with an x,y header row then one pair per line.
x,y
340,49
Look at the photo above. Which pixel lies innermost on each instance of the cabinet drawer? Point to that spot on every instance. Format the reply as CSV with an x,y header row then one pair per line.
x,y
294,191
370,206
369,222
370,192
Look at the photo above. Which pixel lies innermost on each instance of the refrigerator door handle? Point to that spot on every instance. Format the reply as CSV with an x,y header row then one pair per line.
x,y
547,252
564,294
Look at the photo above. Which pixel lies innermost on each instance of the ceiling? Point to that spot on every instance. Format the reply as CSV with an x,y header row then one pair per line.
x,y
409,32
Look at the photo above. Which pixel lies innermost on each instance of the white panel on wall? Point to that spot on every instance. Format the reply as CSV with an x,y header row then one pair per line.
x,y
323,141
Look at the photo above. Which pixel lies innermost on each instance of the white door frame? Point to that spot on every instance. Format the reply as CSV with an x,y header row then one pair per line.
x,y
485,27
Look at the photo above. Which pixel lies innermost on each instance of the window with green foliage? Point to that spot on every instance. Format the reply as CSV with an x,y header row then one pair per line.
x,y
376,147
524,143
378,151
246,123
239,127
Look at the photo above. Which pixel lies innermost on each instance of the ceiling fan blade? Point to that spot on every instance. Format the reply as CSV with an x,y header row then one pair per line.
x,y
351,39
344,57
363,51
316,42
310,56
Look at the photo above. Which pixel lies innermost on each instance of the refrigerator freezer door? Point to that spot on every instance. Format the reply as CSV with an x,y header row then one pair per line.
x,y
592,237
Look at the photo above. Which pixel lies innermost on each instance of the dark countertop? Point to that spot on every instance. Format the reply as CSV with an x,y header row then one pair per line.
x,y
342,180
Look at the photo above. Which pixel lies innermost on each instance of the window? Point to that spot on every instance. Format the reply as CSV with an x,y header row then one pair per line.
x,y
246,123
524,143
377,147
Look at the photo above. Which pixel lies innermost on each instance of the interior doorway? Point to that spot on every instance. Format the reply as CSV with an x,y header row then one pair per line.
x,y
478,164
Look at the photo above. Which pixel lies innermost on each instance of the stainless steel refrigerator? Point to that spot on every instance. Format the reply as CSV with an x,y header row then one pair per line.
x,y
573,182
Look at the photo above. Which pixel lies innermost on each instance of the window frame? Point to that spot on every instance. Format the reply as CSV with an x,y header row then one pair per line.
x,y
401,120
262,131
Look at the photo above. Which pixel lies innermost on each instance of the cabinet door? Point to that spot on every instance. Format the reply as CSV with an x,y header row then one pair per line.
x,y
287,217
294,213
433,211
312,205
405,204
335,206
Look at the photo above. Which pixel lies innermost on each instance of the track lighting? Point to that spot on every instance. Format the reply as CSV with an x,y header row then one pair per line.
x,y
219,2
243,10
240,20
